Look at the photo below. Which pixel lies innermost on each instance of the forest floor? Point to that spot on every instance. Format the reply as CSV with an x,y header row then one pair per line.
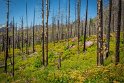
x,y
75,67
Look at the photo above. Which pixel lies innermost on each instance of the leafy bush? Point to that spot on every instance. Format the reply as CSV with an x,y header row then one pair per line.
x,y
37,62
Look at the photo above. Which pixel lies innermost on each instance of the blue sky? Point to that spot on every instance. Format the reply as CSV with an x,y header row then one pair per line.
x,y
18,10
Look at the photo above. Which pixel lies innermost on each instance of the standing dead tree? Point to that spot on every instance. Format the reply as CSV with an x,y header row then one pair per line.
x,y
117,51
27,30
13,48
100,33
33,30
108,29
58,34
68,20
43,51
78,19
75,19
7,36
47,14
22,35
84,48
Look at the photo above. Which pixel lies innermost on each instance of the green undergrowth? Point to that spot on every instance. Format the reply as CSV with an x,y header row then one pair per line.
x,y
75,67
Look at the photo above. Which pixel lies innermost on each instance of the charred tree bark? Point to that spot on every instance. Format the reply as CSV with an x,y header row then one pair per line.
x,y
22,35
13,47
68,21
78,19
47,13
27,30
58,34
123,25
7,24
33,31
118,32
18,39
84,48
113,23
100,33
108,29
62,27
66,24
75,18
43,52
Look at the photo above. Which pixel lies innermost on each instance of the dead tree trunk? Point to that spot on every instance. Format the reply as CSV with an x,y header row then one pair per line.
x,y
58,34
66,24
27,30
62,27
100,33
13,47
123,24
22,35
84,48
7,24
68,20
43,54
108,29
47,32
113,23
33,30
118,33
75,18
78,18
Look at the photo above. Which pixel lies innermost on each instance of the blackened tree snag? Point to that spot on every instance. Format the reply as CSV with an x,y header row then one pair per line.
x,y
100,33
117,50
108,29
7,24
84,48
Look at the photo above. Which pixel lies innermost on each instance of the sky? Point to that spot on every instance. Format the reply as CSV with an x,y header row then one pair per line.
x,y
18,10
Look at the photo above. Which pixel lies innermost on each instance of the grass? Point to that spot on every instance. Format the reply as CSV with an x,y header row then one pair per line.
x,y
76,68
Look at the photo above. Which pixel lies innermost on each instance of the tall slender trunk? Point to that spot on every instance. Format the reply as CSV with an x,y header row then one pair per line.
x,y
100,33
27,30
108,29
62,27
78,17
113,23
33,30
118,33
47,32
13,47
123,23
58,35
68,20
7,24
43,54
16,36
66,24
75,18
22,35
85,30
